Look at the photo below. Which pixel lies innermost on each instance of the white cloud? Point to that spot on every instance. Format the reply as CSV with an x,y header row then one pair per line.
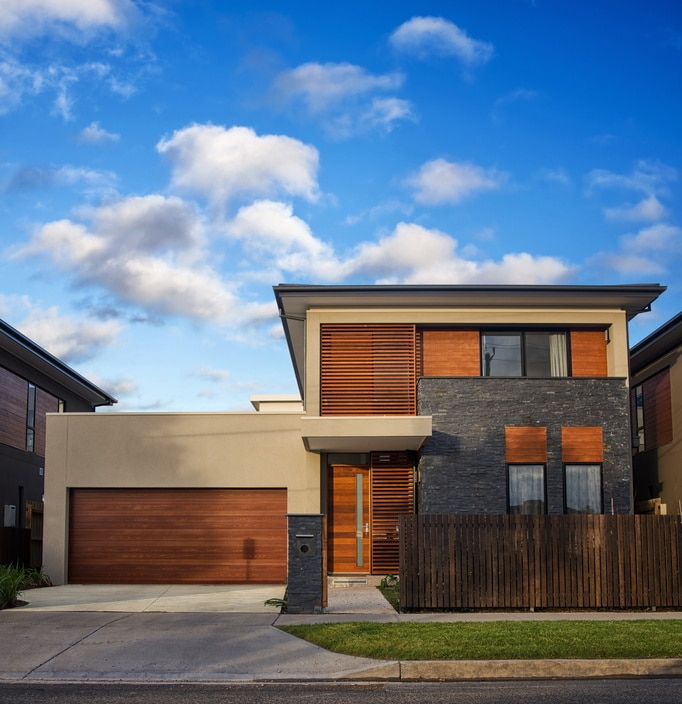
x,y
413,254
436,36
651,250
344,96
320,86
648,177
655,238
270,230
224,163
66,337
19,81
94,134
145,250
385,112
215,375
34,17
16,81
650,209
440,181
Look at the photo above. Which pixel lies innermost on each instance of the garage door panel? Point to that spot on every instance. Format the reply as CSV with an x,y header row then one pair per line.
x,y
181,536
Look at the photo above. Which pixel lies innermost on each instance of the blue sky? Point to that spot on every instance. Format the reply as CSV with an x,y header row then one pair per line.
x,y
164,164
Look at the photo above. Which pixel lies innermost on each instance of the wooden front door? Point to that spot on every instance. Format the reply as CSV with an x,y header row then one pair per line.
x,y
348,502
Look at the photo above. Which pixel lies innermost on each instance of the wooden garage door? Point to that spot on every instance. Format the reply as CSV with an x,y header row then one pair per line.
x,y
177,536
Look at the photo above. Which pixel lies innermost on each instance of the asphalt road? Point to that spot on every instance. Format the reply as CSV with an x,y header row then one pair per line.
x,y
641,691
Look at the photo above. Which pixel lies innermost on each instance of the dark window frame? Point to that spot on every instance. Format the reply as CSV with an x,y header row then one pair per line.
x,y
31,409
522,332
543,465
601,487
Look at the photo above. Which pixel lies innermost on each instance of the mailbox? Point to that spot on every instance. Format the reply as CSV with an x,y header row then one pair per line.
x,y
305,545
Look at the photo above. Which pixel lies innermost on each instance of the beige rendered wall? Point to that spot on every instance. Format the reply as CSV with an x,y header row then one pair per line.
x,y
154,450
614,320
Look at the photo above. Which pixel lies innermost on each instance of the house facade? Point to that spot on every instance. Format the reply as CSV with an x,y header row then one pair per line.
x,y
435,399
656,404
32,384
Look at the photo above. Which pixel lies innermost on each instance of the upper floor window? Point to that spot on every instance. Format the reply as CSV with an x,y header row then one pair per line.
x,y
652,412
524,353
31,418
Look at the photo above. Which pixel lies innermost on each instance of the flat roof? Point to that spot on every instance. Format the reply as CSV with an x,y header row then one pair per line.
x,y
294,300
24,349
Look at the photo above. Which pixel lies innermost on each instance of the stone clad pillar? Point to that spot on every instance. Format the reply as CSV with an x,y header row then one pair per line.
x,y
307,563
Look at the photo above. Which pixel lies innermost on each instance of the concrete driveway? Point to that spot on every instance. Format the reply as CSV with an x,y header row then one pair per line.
x,y
138,598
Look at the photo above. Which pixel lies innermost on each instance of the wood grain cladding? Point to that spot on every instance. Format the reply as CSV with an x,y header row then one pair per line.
x,y
588,353
45,403
368,370
13,407
450,352
582,444
658,422
392,486
526,445
177,536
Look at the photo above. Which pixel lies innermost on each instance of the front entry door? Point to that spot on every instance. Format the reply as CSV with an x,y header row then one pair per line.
x,y
348,502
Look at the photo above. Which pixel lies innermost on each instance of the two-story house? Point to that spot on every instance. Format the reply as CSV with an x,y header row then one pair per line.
x,y
656,400
435,399
32,384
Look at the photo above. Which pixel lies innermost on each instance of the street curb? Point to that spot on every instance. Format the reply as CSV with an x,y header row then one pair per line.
x,y
440,670
403,671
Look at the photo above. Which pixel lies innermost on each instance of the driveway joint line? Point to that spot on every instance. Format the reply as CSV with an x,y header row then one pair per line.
x,y
77,642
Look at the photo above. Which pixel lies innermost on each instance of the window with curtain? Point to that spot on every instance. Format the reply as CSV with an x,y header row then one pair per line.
x,y
526,486
583,488
524,353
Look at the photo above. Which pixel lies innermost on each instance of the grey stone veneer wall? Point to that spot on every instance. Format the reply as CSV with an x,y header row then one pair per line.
x,y
462,467
307,563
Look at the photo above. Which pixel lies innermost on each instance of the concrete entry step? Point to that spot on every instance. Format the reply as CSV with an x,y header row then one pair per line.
x,y
367,580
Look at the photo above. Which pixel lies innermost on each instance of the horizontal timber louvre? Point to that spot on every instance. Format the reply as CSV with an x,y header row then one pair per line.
x,y
392,478
368,370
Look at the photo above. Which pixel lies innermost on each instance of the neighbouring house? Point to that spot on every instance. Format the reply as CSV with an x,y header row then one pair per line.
x,y
434,399
32,384
656,401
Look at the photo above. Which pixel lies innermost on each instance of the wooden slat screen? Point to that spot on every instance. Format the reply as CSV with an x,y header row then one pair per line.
x,y
658,424
368,370
526,444
14,393
540,562
450,352
588,353
392,496
582,444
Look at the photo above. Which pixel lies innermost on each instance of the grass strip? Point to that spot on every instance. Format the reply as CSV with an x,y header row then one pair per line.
x,y
500,640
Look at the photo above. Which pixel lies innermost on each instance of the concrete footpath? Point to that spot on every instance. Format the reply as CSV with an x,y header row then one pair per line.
x,y
226,634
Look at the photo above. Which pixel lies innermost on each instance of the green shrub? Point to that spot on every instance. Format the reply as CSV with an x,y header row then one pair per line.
x,y
35,577
12,580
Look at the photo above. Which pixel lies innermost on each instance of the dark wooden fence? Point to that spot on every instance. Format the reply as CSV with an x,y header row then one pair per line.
x,y
540,562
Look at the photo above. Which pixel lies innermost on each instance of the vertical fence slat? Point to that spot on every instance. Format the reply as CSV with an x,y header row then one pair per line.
x,y
498,561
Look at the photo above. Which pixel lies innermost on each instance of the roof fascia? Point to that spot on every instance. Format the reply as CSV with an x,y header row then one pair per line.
x,y
35,356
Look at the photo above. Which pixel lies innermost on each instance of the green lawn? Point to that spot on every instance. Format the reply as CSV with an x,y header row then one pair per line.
x,y
503,640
